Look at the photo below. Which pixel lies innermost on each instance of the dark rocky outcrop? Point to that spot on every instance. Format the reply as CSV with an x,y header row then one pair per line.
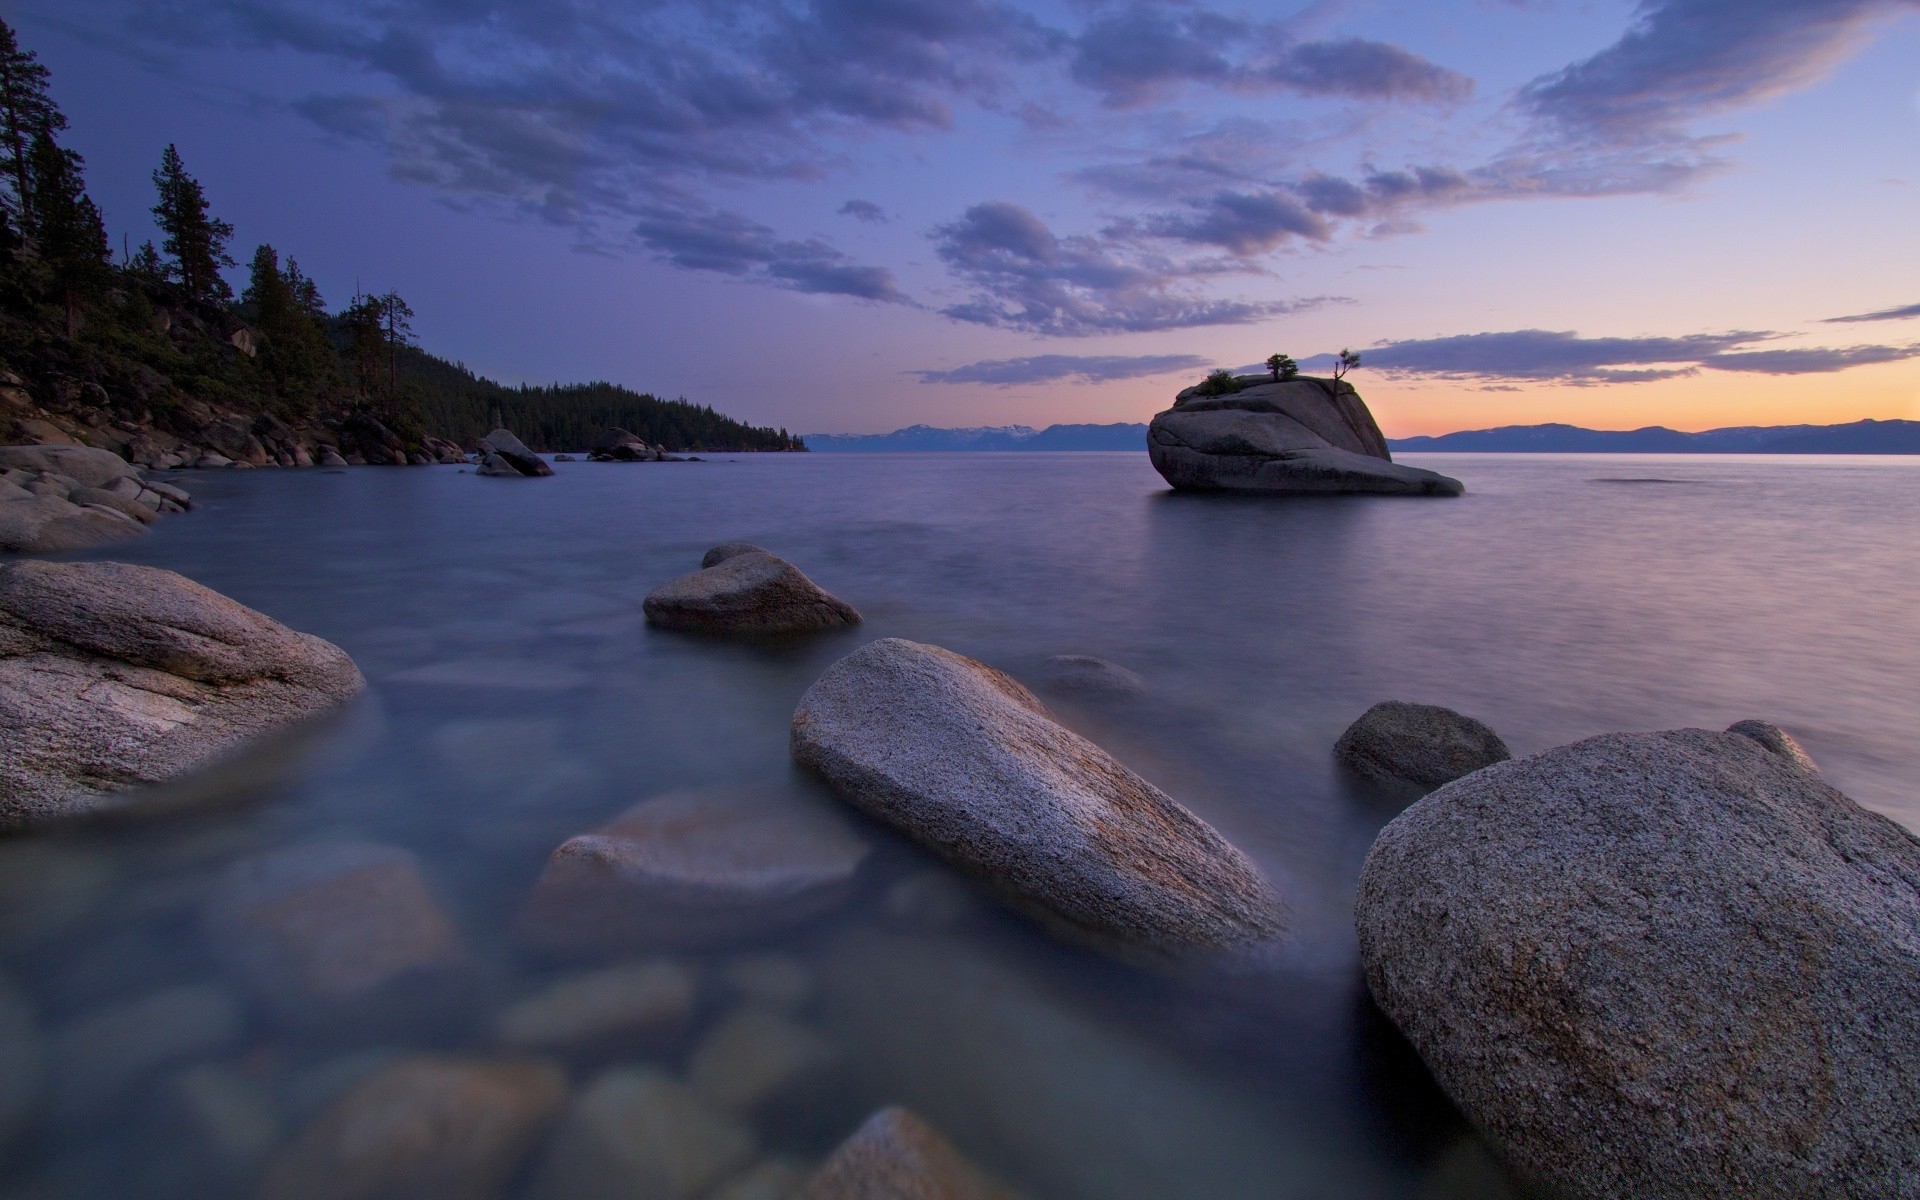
x,y
965,760
1420,744
617,445
1303,435
747,591
501,453
113,676
1660,965
693,868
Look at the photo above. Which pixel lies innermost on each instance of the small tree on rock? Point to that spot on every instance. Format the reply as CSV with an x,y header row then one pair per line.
x,y
1283,368
1346,361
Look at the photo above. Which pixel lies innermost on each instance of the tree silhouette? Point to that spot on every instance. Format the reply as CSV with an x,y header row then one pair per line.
x,y
26,111
196,242
1283,367
71,241
1346,361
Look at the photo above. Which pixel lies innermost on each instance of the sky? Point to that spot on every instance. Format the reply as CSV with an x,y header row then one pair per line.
x,y
856,215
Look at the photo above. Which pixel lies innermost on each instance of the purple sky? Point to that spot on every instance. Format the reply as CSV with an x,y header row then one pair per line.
x,y
852,215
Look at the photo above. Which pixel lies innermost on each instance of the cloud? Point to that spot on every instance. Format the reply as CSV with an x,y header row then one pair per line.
x,y
731,244
1044,368
1685,58
1565,357
1026,277
1137,56
1244,223
863,210
1903,313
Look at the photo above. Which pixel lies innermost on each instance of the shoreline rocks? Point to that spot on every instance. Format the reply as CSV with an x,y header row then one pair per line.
x,y
618,445
59,498
1305,436
1419,744
114,676
1660,965
746,590
502,454
966,761
693,869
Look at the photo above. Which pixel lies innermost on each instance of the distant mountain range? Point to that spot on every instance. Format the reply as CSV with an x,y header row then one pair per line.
x,y
993,437
1860,437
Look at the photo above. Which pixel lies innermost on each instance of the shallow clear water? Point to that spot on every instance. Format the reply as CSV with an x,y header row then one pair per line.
x,y
517,698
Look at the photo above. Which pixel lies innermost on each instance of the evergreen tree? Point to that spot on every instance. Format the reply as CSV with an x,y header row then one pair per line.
x,y
71,240
196,242
362,323
145,266
285,310
26,111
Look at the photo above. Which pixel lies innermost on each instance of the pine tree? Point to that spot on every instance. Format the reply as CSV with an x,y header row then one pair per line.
x,y
196,242
71,240
25,112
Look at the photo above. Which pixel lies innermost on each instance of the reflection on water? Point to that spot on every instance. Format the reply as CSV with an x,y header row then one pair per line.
x,y
290,993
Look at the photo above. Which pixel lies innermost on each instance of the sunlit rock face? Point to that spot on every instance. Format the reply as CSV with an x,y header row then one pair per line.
x,y
1310,436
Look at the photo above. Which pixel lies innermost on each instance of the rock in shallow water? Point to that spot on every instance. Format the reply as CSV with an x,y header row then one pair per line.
x,y
501,453
1660,965
965,760
1421,744
113,676
894,1155
638,1134
693,868
424,1128
1304,435
611,1009
1090,676
747,592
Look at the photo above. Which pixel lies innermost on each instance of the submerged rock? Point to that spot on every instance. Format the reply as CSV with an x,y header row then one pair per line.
x,y
1301,435
22,1061
691,869
611,1009
1090,676
754,1056
113,676
747,592
429,1128
965,760
102,1053
342,932
894,1155
638,1134
1421,744
501,453
1660,965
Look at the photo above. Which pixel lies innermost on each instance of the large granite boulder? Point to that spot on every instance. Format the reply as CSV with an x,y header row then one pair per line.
x,y
749,592
618,445
113,676
965,760
1420,744
691,869
84,465
894,1155
1660,965
61,498
1301,435
501,453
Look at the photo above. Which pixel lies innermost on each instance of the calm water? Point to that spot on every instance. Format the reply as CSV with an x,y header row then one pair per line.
x,y
517,698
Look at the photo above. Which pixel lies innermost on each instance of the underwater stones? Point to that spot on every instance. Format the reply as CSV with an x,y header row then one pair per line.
x,y
1298,436
894,1155
1089,676
1660,965
616,1007
692,869
501,453
22,1061
114,675
445,1128
747,592
1421,744
966,761
755,1055
101,1053
636,1133
342,931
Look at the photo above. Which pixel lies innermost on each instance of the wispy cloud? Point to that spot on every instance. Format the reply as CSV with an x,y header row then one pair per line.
x,y
1905,312
731,244
1566,357
1047,368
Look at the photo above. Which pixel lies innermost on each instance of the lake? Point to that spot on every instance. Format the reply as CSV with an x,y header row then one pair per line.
x,y
517,698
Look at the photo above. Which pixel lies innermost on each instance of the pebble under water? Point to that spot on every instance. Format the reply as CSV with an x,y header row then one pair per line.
x,y
517,698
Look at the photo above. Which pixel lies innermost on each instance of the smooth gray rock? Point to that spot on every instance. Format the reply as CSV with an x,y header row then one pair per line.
x,y
36,524
755,1055
501,448
635,1133
86,466
1090,676
894,1155
125,505
727,550
965,760
693,868
338,932
1304,435
114,675
751,592
1660,965
606,1010
1421,744
1777,740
